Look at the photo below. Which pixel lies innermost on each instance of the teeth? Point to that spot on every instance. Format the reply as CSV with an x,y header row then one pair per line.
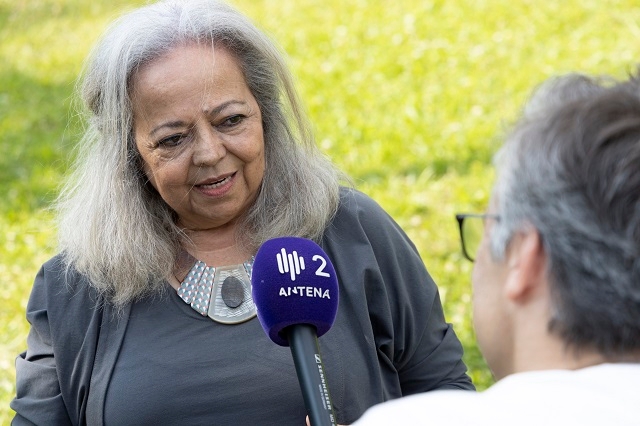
x,y
216,184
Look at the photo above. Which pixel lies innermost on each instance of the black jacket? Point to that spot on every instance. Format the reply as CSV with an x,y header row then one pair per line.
x,y
389,338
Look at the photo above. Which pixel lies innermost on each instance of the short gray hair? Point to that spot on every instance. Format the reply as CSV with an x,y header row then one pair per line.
x,y
113,226
570,168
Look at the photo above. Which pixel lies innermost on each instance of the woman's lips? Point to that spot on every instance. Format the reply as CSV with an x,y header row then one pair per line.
x,y
215,184
216,187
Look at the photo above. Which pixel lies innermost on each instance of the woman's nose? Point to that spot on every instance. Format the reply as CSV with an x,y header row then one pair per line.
x,y
209,147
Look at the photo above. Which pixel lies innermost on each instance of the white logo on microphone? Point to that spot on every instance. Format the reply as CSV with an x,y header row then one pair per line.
x,y
290,263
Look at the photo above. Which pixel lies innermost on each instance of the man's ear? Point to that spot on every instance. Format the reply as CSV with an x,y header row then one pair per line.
x,y
526,263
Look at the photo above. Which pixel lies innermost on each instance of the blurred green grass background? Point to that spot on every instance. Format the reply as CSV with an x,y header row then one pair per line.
x,y
409,97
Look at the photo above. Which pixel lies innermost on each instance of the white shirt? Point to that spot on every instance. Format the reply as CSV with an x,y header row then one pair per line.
x,y
607,394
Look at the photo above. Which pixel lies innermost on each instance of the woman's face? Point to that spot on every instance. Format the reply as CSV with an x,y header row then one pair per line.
x,y
199,131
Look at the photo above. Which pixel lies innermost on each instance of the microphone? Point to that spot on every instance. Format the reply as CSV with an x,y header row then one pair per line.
x,y
295,289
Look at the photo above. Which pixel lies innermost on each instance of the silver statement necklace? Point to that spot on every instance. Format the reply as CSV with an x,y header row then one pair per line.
x,y
222,293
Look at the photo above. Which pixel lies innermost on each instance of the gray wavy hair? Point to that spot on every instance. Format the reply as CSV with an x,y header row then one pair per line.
x,y
113,226
570,168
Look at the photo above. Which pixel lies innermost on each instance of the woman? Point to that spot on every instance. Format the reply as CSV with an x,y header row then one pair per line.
x,y
197,152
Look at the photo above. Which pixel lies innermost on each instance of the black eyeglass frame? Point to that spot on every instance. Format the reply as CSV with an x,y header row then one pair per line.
x,y
460,217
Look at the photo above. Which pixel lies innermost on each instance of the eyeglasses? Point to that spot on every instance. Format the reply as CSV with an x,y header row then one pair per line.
x,y
471,232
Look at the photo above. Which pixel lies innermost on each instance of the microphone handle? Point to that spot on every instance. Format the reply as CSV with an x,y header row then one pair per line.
x,y
303,342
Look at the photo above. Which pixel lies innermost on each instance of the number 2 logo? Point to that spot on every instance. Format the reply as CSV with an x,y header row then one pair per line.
x,y
320,271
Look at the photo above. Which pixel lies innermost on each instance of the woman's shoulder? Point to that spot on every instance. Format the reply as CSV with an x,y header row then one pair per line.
x,y
360,219
356,209
59,288
55,266
58,272
356,203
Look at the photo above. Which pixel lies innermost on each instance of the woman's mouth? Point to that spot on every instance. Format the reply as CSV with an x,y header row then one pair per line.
x,y
215,184
216,187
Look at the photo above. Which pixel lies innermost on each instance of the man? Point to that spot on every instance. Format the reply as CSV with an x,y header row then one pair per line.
x,y
557,275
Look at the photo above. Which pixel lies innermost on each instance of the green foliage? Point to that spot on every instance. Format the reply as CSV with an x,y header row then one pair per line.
x,y
410,98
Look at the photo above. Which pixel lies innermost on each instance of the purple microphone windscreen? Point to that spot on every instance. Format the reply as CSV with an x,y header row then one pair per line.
x,y
293,282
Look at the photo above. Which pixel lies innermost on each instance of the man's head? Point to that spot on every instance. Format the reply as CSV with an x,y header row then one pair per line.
x,y
565,246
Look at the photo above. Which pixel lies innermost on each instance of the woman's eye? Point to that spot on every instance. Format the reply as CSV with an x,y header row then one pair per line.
x,y
171,141
234,120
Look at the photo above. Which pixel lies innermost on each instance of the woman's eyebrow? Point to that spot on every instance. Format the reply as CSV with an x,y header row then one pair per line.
x,y
214,111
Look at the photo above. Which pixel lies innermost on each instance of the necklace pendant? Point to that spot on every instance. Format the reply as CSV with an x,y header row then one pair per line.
x,y
223,293
231,300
